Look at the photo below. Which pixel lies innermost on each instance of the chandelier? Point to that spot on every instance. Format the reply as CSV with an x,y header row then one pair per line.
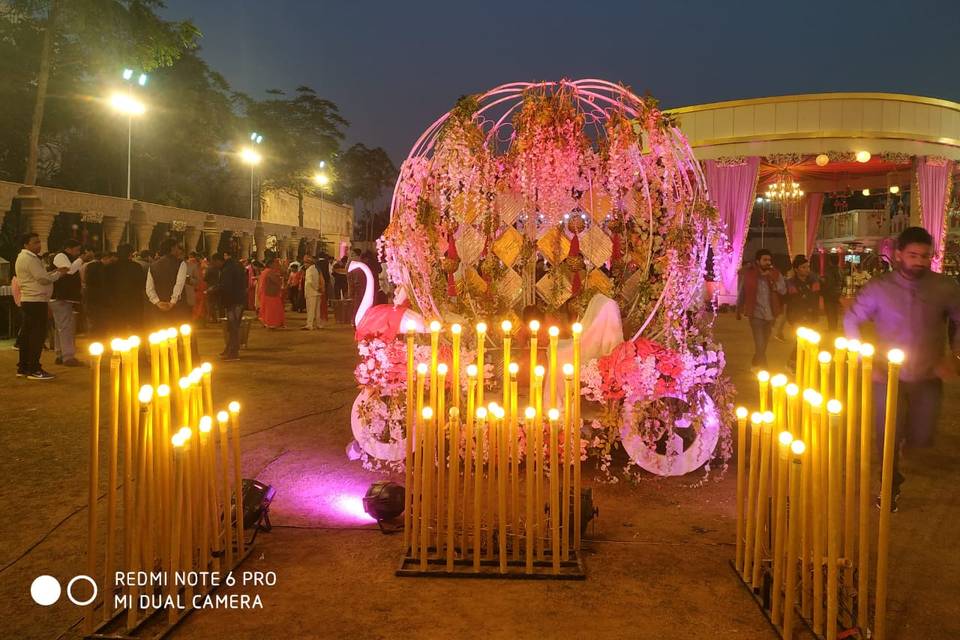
x,y
784,189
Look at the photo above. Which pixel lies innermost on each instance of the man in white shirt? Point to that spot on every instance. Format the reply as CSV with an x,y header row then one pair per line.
x,y
67,292
36,286
165,284
313,286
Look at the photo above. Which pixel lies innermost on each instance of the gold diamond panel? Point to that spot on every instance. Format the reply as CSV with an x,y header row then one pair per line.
x,y
598,282
509,287
554,288
508,246
554,246
509,206
596,246
469,243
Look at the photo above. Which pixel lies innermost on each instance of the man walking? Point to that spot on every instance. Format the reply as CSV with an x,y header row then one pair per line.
x,y
211,277
97,293
758,298
233,299
66,295
909,307
313,289
36,286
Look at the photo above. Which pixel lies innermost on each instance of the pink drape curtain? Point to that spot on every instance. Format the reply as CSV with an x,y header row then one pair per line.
x,y
933,178
732,188
814,209
791,211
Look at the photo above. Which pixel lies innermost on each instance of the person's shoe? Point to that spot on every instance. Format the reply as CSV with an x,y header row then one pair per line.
x,y
894,504
779,337
59,360
21,374
306,328
40,374
227,357
15,348
73,362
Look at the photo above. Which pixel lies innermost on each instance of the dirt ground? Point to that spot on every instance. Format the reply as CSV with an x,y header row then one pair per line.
x,y
657,558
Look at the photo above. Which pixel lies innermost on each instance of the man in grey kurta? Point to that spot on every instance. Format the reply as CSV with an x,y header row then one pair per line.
x,y
910,307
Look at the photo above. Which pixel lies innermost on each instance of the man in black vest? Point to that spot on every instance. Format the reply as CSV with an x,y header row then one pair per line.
x,y
232,294
66,295
166,280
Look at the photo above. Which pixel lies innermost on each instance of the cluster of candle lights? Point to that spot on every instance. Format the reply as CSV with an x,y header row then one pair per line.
x,y
803,497
174,492
491,513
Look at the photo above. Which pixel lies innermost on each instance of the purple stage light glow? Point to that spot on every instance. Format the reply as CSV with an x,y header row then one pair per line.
x,y
351,506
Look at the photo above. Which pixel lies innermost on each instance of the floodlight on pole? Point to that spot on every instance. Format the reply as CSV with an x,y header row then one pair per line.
x,y
250,156
322,180
129,106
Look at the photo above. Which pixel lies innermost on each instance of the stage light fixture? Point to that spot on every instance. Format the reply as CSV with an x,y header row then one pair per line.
x,y
384,502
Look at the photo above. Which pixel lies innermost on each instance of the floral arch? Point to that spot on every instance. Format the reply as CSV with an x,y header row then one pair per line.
x,y
552,196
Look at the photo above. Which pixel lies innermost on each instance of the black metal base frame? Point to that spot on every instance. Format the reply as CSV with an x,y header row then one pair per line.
x,y
571,569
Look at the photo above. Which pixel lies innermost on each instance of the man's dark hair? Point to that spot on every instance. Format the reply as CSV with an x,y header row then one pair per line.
x,y
194,254
27,237
356,252
762,252
146,254
218,257
71,243
167,246
799,261
914,235
124,251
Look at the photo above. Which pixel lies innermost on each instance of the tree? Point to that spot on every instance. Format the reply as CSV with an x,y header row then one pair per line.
x,y
103,35
365,173
299,132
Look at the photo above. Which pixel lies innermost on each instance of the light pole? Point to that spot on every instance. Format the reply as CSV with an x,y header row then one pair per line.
x,y
321,179
250,156
126,104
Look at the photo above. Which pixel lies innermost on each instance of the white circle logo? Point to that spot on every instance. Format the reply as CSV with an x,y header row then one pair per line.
x,y
45,590
93,585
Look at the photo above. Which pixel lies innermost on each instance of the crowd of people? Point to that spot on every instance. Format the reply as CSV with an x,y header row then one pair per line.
x,y
911,308
124,293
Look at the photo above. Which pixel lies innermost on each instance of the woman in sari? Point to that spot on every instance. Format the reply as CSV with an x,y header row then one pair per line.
x,y
271,295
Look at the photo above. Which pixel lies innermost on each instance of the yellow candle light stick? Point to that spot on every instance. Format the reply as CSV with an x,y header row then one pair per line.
x,y
408,440
534,334
833,519
481,349
502,472
416,499
806,507
96,353
797,448
816,491
784,440
186,531
441,440
864,510
455,331
530,415
163,349
126,393
427,462
813,346
554,333
222,420
824,358
792,392
174,551
478,486
839,360
206,380
213,507
506,326
493,452
144,396
540,532
756,427
895,359
778,404
851,444
468,452
435,327
203,500
134,359
577,331
763,488
763,380
567,458
164,464
801,354
174,354
182,415
454,474
154,341
514,446
741,482
554,416
185,333
234,408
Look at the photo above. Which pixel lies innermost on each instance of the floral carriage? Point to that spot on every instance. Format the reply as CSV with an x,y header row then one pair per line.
x,y
564,200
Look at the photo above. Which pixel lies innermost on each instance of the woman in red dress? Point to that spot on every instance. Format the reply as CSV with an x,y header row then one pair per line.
x,y
271,296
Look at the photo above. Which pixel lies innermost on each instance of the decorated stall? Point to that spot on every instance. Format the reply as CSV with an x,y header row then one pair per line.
x,y
545,204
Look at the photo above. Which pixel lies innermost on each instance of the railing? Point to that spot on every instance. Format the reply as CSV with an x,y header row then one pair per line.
x,y
861,223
